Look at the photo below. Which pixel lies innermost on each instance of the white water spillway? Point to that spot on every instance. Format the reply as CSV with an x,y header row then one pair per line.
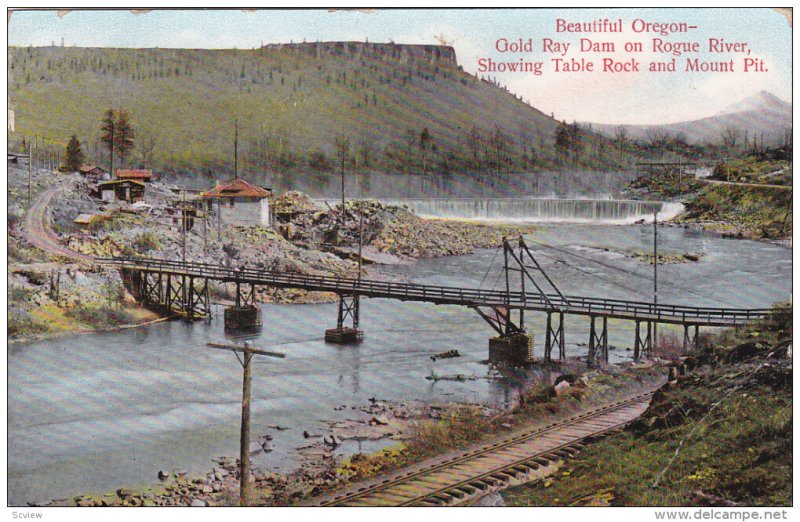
x,y
538,210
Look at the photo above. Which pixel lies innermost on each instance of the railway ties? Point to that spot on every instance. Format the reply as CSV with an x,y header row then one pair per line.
x,y
525,456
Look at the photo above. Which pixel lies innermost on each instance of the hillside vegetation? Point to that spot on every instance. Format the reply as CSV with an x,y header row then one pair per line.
x,y
400,109
720,436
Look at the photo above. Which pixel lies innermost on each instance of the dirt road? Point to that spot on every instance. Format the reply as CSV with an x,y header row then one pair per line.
x,y
38,232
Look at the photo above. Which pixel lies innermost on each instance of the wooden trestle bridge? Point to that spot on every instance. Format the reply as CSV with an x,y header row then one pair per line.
x,y
183,287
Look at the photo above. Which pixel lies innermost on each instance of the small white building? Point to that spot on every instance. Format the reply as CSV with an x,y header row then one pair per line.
x,y
240,203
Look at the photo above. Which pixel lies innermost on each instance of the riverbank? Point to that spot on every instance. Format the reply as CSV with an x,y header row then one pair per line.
x,y
49,295
180,402
411,431
734,203
720,436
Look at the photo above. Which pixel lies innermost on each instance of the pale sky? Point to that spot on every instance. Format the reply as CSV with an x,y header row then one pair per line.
x,y
600,97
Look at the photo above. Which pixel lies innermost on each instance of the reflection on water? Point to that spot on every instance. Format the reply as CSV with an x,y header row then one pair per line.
x,y
94,412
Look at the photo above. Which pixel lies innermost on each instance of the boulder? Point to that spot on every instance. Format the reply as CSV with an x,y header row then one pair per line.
x,y
561,388
198,503
379,420
124,493
569,378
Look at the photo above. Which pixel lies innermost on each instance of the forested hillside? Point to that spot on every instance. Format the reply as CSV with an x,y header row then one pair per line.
x,y
390,108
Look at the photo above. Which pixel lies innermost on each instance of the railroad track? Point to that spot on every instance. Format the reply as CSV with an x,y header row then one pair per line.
x,y
519,458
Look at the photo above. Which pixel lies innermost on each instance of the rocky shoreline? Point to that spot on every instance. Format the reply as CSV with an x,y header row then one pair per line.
x,y
307,239
400,425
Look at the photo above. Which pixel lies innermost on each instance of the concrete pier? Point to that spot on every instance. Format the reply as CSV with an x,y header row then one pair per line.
x,y
515,350
246,317
344,335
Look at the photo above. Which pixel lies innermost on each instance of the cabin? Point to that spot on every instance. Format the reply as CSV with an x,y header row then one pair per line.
x,y
120,190
141,175
89,222
93,174
17,157
240,203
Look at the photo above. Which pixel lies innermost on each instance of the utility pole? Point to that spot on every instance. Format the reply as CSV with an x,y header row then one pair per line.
x,y
236,149
655,277
112,144
205,240
244,441
343,160
360,237
30,162
219,218
183,224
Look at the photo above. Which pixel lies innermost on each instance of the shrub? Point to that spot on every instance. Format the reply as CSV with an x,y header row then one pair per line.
x,y
145,242
101,317
22,323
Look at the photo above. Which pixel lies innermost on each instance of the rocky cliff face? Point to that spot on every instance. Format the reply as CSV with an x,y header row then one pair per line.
x,y
402,53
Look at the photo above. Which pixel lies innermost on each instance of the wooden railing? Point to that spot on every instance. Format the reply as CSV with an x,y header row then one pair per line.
x,y
472,297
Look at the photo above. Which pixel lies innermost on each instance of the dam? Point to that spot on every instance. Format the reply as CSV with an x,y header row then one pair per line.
x,y
541,210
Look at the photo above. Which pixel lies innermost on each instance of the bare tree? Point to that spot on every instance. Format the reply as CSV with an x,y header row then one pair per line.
x,y
147,144
657,139
342,147
730,137
411,140
474,141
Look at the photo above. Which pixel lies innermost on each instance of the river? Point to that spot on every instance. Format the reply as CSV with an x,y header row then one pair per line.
x,y
90,413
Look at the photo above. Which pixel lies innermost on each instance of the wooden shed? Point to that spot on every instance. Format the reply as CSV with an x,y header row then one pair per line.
x,y
142,175
121,190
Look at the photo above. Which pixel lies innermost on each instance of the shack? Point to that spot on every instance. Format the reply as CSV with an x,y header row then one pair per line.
x,y
18,157
240,203
141,175
89,222
93,173
120,190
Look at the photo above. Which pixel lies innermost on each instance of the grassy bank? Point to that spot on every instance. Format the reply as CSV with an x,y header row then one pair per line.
x,y
751,212
744,211
720,436
465,425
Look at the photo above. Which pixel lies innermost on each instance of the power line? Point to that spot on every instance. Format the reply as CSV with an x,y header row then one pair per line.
x,y
629,272
497,251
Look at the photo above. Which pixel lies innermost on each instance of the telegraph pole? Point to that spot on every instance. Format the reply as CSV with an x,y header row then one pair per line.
x,y
112,144
236,149
244,441
183,224
30,162
360,238
219,218
205,241
655,276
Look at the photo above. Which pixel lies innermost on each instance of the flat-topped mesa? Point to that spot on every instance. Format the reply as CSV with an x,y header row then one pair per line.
x,y
403,53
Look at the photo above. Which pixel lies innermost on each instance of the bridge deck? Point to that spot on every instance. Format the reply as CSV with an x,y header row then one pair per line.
x,y
445,295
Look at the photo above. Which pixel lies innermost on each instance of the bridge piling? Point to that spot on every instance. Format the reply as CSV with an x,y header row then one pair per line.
x,y
598,341
349,307
244,315
689,338
554,337
643,347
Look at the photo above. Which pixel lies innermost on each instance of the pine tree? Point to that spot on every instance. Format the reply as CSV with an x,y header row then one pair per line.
x,y
74,157
123,135
563,139
107,133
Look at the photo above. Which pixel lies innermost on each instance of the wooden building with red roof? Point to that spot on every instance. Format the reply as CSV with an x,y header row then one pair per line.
x,y
141,175
240,203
